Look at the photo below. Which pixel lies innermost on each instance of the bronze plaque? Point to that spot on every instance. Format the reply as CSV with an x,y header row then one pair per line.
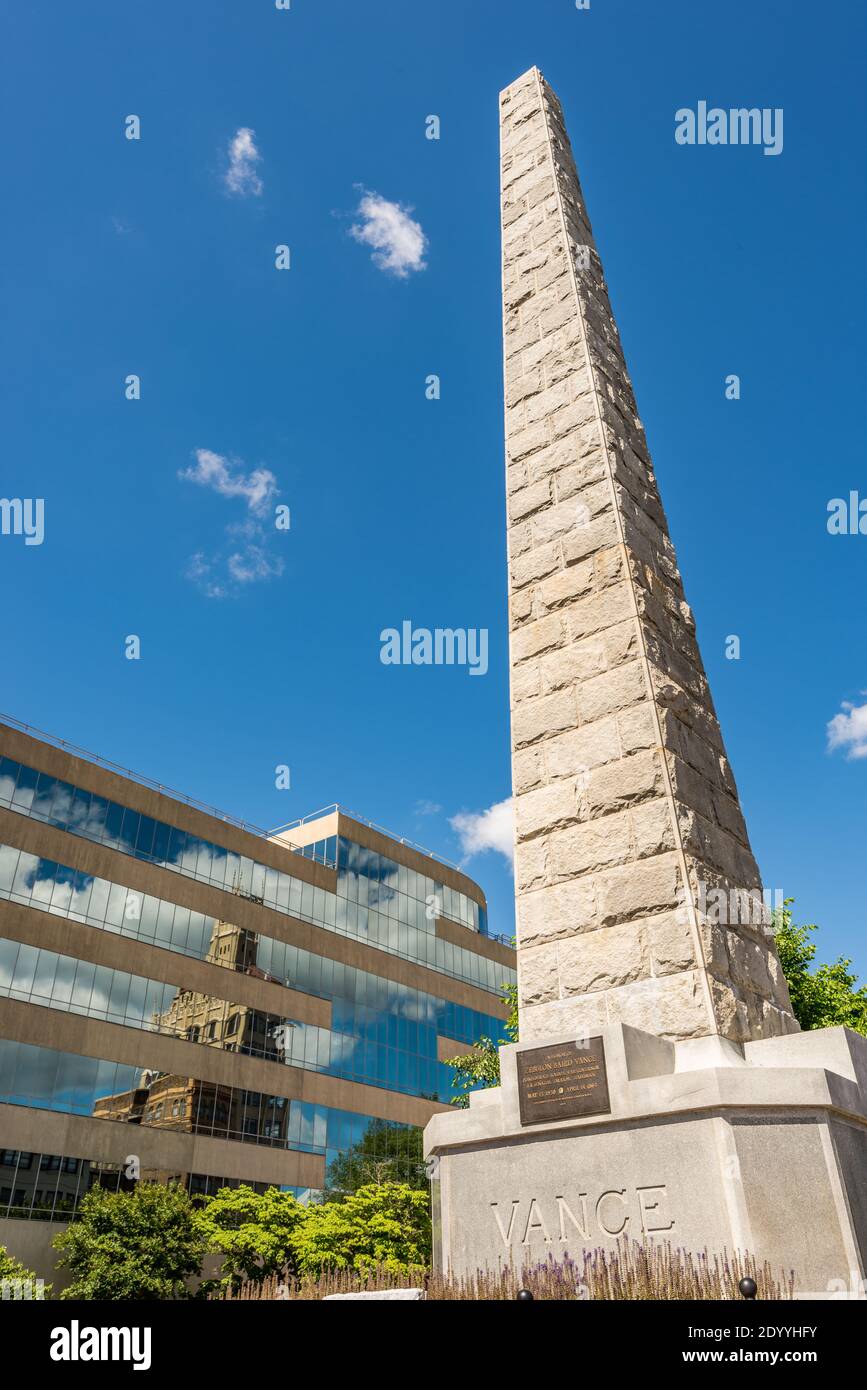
x,y
562,1081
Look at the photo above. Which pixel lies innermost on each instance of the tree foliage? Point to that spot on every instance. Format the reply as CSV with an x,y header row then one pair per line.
x,y
386,1224
824,996
252,1231
481,1067
147,1243
12,1269
141,1244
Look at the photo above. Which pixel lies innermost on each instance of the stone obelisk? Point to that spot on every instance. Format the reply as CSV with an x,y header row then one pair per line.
x,y
627,818
661,1088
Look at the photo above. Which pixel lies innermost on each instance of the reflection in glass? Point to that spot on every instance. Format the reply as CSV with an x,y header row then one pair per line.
x,y
391,892
359,999
386,1036
66,1082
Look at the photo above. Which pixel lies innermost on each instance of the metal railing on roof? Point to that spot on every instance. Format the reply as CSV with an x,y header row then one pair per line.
x,y
371,825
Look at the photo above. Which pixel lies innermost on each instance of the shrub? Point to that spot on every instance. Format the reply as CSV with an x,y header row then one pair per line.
x,y
385,1224
253,1231
142,1244
13,1272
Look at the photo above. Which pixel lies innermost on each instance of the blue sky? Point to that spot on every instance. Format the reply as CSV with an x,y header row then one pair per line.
x,y
308,387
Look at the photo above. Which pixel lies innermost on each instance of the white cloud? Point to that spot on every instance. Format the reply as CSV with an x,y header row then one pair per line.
x,y
397,239
424,807
849,730
484,830
246,557
253,563
225,573
212,470
241,177
200,571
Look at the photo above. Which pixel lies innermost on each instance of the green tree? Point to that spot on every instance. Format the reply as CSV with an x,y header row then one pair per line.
x,y
253,1231
387,1152
822,997
481,1067
380,1224
12,1269
141,1244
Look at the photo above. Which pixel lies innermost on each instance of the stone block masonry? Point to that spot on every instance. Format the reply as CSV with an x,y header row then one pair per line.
x,y
624,799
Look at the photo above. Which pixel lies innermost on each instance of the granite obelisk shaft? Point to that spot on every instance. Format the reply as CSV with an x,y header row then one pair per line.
x,y
636,885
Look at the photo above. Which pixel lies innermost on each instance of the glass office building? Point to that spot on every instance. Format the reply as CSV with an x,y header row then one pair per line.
x,y
270,1008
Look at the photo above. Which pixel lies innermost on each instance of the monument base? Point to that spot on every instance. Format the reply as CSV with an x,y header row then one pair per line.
x,y
759,1148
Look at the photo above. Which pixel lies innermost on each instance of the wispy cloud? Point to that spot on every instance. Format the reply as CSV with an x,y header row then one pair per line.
x,y
214,471
397,239
207,576
849,730
427,808
238,563
479,831
246,555
241,177
250,559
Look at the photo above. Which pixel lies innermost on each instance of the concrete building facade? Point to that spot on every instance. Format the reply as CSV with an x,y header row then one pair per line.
x,y
185,997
